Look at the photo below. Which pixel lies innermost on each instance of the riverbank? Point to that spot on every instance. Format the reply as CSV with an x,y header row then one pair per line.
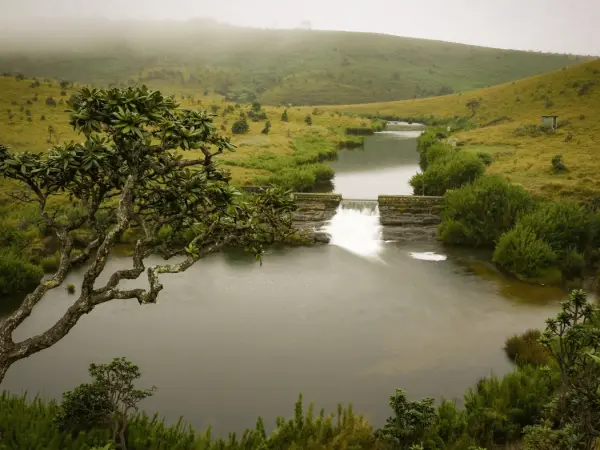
x,y
508,119
537,240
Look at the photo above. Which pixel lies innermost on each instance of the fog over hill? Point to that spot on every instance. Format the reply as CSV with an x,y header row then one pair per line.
x,y
299,66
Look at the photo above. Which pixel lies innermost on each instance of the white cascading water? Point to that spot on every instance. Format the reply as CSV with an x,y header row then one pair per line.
x,y
356,228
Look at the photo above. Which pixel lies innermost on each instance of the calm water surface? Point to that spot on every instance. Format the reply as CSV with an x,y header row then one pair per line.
x,y
383,167
230,340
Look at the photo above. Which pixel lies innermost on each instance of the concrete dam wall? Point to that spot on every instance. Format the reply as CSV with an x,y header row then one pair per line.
x,y
404,217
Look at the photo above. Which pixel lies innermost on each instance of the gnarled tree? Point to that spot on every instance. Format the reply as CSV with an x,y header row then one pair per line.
x,y
130,173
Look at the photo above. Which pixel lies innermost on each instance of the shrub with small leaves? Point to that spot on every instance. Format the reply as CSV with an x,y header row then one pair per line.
x,y
308,120
85,407
240,127
558,165
50,101
267,127
71,288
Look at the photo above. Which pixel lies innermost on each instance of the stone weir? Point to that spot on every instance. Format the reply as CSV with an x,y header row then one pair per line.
x,y
410,217
404,217
312,213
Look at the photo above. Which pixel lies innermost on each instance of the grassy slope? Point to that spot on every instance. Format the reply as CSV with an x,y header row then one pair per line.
x,y
284,139
280,66
527,160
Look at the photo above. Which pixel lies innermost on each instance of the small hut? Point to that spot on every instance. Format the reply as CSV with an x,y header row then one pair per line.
x,y
550,122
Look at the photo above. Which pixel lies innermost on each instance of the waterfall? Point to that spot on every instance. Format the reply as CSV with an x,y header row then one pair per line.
x,y
356,228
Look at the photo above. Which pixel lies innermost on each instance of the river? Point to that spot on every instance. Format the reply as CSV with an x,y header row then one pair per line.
x,y
230,340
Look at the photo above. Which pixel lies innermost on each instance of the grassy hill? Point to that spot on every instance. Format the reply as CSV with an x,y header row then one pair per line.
x,y
290,154
509,119
276,66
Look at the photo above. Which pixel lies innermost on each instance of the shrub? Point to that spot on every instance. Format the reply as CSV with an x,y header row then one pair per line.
x,y
564,225
308,120
71,288
17,274
486,158
50,263
434,152
301,178
525,349
257,116
63,93
85,407
450,171
267,127
523,254
411,423
478,213
498,409
50,101
240,127
573,264
558,165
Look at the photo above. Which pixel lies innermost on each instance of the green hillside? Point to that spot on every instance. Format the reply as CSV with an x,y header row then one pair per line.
x,y
508,119
302,67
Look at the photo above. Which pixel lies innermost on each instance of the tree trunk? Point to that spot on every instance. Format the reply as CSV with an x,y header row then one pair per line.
x,y
4,365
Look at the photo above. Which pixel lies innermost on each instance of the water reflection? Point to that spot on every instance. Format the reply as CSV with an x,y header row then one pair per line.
x,y
384,166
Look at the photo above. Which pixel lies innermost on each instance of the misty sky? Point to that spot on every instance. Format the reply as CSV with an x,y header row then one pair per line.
x,y
565,26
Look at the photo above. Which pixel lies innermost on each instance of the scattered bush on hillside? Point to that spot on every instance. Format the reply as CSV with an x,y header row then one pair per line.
x,y
284,116
308,120
558,164
42,117
257,116
473,106
63,93
50,101
585,87
479,213
449,171
240,127
525,348
267,127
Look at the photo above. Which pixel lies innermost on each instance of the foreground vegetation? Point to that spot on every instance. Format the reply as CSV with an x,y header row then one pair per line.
x,y
128,175
507,127
302,67
550,402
